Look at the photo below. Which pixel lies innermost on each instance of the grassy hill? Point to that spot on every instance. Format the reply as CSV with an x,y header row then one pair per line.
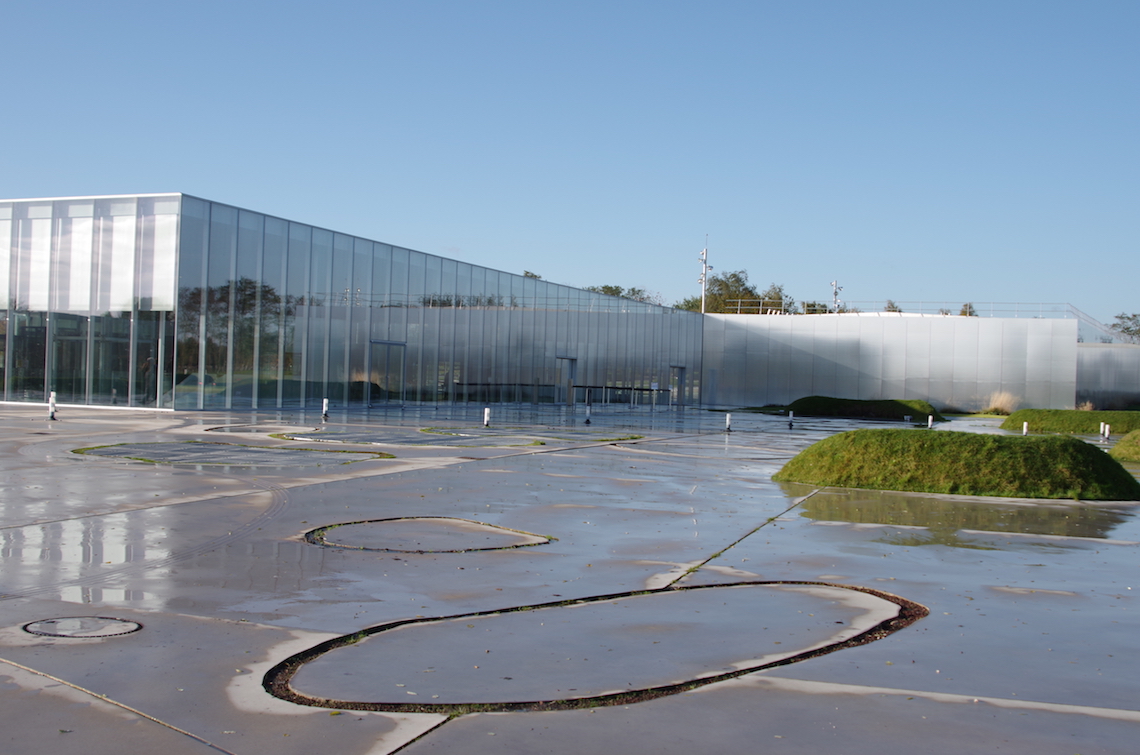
x,y
963,464
1127,448
1071,421
826,406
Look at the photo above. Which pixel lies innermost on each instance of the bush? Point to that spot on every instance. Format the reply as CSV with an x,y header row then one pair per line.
x,y
1001,402
1071,421
963,464
825,406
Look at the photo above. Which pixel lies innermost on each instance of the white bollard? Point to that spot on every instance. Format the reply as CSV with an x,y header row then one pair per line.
x,y
51,405
1101,431
1025,428
929,421
325,409
487,417
1107,431
728,422
587,414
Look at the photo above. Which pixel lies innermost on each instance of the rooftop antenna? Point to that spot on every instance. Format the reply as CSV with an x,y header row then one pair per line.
x,y
835,289
705,267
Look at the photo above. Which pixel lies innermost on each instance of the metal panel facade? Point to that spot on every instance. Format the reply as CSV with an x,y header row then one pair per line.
x,y
951,361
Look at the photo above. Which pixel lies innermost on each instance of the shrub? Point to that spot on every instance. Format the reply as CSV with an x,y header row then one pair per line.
x,y
963,464
1001,402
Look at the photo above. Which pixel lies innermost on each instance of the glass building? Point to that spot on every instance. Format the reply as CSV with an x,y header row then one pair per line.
x,y
170,301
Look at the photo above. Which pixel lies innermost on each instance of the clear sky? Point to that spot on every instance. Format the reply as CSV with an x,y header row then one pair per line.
x,y
955,151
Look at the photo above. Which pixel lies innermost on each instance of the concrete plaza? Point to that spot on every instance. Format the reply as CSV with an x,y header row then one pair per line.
x,y
152,581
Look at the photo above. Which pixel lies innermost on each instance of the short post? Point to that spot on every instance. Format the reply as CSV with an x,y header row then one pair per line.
x,y
487,417
1107,431
791,419
325,409
587,414
728,422
1025,428
1101,431
51,405
929,421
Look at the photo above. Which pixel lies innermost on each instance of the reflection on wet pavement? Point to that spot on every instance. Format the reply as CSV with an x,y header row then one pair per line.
x,y
1030,602
962,522
463,438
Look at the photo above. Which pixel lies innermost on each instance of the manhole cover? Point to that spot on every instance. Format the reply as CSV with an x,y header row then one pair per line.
x,y
82,626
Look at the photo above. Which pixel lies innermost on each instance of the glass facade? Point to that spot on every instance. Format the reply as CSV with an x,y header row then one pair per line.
x,y
87,299
175,302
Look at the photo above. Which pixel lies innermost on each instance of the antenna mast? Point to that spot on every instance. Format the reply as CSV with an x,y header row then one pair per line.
x,y
705,267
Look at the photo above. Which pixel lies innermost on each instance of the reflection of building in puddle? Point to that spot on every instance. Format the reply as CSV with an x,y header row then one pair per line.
x,y
961,522
77,560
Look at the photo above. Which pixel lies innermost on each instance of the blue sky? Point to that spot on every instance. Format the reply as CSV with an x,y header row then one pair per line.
x,y
966,151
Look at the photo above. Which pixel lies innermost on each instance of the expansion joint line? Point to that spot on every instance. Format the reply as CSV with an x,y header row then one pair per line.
x,y
742,538
124,706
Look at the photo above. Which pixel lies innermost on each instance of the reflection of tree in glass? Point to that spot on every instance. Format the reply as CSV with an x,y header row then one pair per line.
x,y
457,300
944,518
251,305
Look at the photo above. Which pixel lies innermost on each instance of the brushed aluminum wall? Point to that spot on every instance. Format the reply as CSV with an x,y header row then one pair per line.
x,y
754,360
1108,375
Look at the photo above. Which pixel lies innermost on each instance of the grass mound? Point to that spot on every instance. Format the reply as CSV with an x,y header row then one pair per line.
x,y
825,406
963,464
1071,421
1127,448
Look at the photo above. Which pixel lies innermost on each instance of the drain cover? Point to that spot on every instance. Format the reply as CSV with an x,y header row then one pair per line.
x,y
82,626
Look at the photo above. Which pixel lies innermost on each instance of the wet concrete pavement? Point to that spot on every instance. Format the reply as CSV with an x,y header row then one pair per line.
x,y
1028,645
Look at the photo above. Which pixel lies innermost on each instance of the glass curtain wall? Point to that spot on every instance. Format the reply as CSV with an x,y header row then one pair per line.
x,y
275,314
170,301
87,300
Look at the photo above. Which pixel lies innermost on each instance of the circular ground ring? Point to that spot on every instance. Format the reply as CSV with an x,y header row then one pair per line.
x,y
84,627
277,681
317,536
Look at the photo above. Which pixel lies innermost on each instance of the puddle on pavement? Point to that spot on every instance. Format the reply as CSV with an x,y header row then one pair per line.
x,y
422,535
605,650
228,454
967,523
